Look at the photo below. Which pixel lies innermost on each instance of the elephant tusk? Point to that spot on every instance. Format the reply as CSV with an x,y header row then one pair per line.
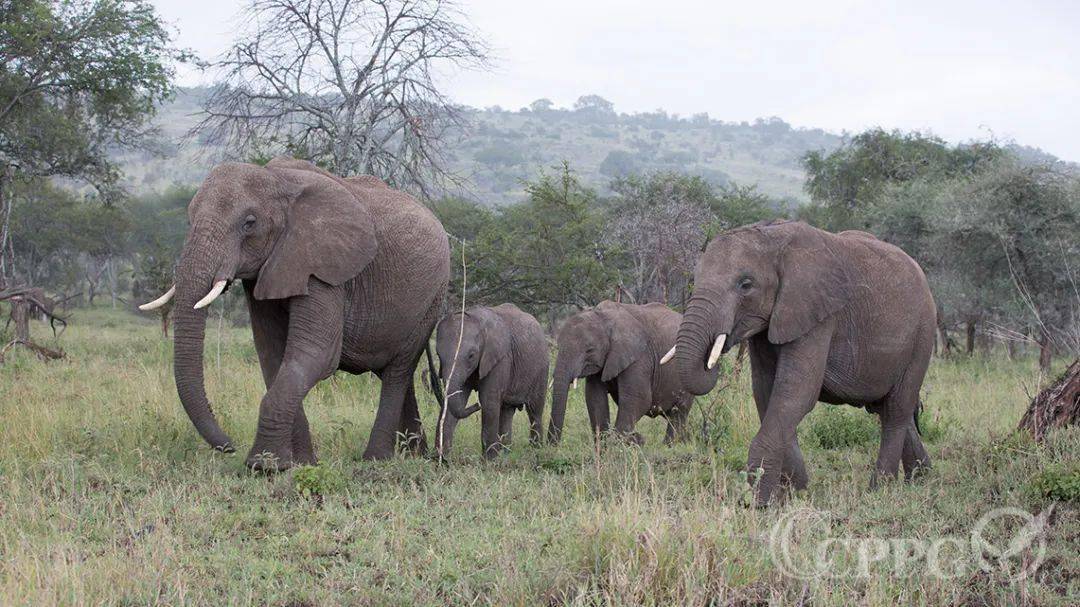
x,y
160,301
219,286
667,357
574,386
717,348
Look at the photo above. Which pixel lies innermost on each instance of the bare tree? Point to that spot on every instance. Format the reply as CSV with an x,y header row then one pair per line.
x,y
659,225
350,84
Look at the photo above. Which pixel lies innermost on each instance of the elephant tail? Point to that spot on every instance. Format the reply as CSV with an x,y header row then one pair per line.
x,y
433,376
918,409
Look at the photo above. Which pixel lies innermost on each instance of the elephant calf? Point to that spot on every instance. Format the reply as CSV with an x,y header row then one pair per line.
x,y
502,354
617,348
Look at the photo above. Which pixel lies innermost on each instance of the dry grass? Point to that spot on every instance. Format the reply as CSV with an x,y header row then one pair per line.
x,y
107,496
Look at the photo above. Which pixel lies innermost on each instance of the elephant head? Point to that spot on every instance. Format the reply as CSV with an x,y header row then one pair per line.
x,y
603,340
782,277
278,226
469,347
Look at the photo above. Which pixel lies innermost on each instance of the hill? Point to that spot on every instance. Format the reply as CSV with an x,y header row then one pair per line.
x,y
499,149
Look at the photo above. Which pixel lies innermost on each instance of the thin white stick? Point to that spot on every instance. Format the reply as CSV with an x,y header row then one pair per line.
x,y
453,365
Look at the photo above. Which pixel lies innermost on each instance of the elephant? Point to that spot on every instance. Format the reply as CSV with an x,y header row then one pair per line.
x,y
501,353
838,318
338,273
617,348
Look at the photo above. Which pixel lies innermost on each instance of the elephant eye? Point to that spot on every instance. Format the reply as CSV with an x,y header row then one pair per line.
x,y
249,224
746,284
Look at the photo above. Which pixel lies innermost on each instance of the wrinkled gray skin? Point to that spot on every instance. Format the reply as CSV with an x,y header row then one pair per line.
x,y
617,349
837,318
338,273
503,357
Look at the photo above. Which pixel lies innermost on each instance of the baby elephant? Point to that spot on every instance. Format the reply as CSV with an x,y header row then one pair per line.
x,y
617,348
502,354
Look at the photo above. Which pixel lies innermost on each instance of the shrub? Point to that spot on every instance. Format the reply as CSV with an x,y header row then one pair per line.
x,y
840,428
314,481
1058,482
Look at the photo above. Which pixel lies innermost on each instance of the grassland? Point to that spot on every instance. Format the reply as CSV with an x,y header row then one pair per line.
x,y
107,496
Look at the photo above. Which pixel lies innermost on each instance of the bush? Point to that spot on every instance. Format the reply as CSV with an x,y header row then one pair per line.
x,y
832,427
1058,482
316,481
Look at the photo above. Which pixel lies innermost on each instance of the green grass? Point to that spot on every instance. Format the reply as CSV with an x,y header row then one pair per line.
x,y
107,495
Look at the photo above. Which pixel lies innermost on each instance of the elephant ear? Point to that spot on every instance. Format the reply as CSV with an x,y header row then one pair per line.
x,y
328,234
628,340
815,283
496,342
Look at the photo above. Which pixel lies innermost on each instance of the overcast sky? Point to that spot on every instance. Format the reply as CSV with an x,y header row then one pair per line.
x,y
961,69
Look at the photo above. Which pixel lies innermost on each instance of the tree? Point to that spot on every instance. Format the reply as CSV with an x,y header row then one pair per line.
x,y
542,105
658,224
78,78
852,178
547,253
159,229
347,84
1019,225
594,104
618,163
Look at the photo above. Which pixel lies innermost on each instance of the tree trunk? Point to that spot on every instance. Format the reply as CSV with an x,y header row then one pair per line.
x,y
970,345
20,313
1046,351
1055,407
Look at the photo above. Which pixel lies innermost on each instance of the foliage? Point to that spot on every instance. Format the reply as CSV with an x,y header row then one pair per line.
x,y
833,427
852,178
1058,482
107,67
317,481
546,253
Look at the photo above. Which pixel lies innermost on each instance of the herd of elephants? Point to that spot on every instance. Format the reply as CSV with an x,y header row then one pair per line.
x,y
349,274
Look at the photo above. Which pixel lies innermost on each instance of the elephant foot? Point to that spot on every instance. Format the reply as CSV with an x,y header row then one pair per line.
x,y
630,438
269,461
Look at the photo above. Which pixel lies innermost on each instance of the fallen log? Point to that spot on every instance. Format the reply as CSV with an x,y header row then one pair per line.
x,y
1055,407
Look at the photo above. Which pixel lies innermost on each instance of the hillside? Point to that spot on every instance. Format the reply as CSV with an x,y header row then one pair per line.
x,y
500,149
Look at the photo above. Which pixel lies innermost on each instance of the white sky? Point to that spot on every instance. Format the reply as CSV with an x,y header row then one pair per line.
x,y
961,69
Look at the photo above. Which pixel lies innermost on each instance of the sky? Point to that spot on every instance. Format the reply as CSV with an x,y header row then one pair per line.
x,y
959,69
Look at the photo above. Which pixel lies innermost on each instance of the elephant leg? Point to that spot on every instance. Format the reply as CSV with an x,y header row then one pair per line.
x,y
763,374
410,431
535,410
384,433
302,447
312,351
490,417
676,424
799,372
635,398
897,414
915,457
506,425
596,401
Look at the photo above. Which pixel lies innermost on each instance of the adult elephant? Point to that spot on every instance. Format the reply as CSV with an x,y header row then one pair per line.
x,y
838,318
617,347
502,354
338,274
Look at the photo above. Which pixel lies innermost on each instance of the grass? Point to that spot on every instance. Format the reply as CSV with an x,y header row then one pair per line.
x,y
108,496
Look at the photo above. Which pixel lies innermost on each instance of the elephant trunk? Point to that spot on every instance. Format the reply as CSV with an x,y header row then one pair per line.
x,y
194,276
692,346
560,387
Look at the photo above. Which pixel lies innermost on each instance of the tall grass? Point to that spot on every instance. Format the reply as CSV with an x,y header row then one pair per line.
x,y
108,496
